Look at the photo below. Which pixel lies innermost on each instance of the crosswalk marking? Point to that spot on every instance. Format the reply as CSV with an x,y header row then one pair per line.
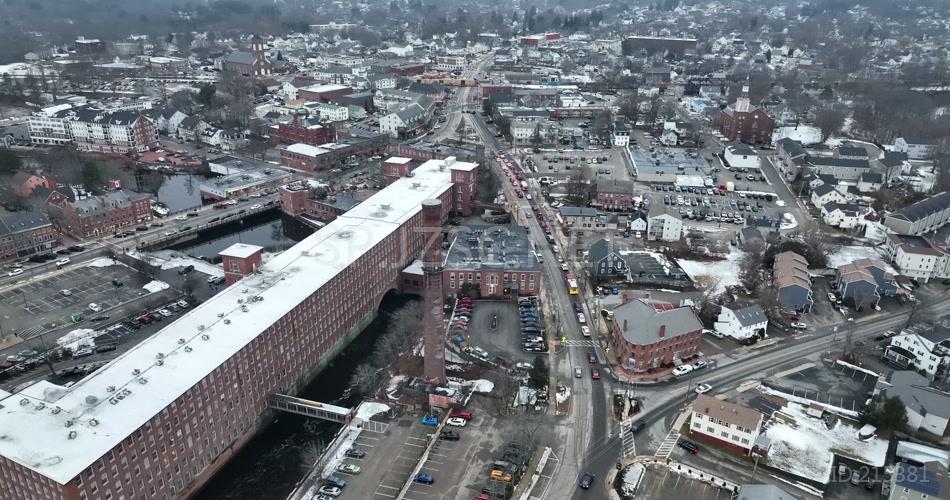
x,y
669,443
579,343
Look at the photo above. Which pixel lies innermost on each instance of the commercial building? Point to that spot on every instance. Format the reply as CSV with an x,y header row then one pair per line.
x,y
724,423
323,93
161,418
492,261
99,215
96,130
24,233
303,131
742,321
614,195
331,155
647,336
928,481
298,199
922,217
241,183
741,156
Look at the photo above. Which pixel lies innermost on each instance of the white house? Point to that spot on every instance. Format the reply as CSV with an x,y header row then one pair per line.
x,y
664,227
621,134
669,137
870,182
825,194
408,119
638,222
843,215
922,351
927,408
917,257
725,423
915,149
332,112
288,91
741,156
742,321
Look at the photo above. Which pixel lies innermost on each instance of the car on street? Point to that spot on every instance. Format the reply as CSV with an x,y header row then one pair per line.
x,y
595,373
581,318
578,373
15,272
585,330
165,312
430,420
62,262
637,426
714,333
332,491
355,453
592,358
424,478
98,318
456,422
587,480
699,365
681,370
82,353
688,446
703,388
798,325
348,468
94,307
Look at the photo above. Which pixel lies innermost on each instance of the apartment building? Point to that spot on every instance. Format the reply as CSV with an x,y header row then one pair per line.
x,y
724,423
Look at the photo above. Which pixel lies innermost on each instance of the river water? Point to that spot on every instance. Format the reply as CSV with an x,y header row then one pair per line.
x,y
271,465
272,230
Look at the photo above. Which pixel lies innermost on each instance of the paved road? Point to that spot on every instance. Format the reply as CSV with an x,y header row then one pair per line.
x,y
581,440
462,99
792,203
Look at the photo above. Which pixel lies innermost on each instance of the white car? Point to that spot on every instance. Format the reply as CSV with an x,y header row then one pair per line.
x,y
165,312
714,333
581,318
65,292
348,468
564,266
456,422
523,366
95,307
332,491
832,298
181,217
256,206
62,262
703,388
585,330
798,325
681,370
15,272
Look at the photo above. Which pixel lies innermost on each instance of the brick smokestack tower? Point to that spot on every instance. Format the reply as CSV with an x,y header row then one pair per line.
x,y
433,331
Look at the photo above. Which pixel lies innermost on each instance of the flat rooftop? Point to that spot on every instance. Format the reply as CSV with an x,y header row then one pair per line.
x,y
667,162
240,250
244,179
306,149
486,247
59,431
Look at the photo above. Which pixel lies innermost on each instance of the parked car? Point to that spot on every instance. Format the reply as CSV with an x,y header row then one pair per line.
x,y
798,325
165,312
465,414
355,453
95,307
682,370
186,269
15,272
699,365
348,468
335,481
116,283
62,262
332,491
424,478
714,333
449,435
581,318
430,420
82,353
637,426
688,446
106,347
578,373
65,292
585,330
456,422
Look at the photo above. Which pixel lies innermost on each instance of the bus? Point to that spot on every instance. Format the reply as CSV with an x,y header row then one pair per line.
x,y
572,284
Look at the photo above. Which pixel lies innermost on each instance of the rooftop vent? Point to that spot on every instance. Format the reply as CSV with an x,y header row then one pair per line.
x,y
93,422
159,362
56,410
226,322
159,355
71,435
188,348
136,371
111,388
143,380
206,336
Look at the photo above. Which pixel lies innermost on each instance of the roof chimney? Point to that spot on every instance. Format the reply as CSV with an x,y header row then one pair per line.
x,y
624,325
662,331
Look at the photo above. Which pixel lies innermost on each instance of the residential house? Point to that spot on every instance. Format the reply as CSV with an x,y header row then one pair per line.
x,y
678,134
331,112
741,156
98,215
24,183
496,274
743,122
825,194
916,149
637,221
24,233
792,158
791,278
843,169
927,408
929,481
621,134
605,261
844,215
405,122
664,227
726,424
614,195
870,182
863,282
586,218
926,351
647,336
922,217
917,257
742,321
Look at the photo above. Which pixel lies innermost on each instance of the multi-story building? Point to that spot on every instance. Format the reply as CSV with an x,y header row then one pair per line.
x,y
664,227
863,282
120,132
790,276
298,199
327,156
725,423
323,93
24,233
620,135
928,481
50,125
250,63
741,156
405,122
916,149
647,336
98,215
928,408
497,261
298,131
922,217
614,195
925,351
606,262
162,417
448,63
742,321
917,257
743,122
331,112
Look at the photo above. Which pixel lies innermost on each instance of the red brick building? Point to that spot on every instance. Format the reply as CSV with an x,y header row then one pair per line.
x,y
98,215
299,131
160,419
743,122
252,63
330,155
240,260
24,233
495,273
647,336
323,93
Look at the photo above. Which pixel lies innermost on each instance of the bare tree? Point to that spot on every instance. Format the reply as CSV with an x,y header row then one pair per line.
x,y
750,275
829,120
366,379
578,189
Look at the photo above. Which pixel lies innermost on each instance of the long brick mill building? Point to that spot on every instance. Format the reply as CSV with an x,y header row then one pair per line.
x,y
159,420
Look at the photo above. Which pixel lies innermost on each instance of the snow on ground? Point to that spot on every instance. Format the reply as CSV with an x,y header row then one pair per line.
x,y
169,259
81,337
480,385
339,452
562,396
805,446
393,385
706,273
104,262
632,477
155,286
369,408
452,357
848,254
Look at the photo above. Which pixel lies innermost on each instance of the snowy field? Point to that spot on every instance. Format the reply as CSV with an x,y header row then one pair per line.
x,y
721,273
804,446
168,259
848,254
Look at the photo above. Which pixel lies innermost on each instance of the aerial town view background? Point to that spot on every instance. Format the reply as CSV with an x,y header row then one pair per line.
x,y
421,250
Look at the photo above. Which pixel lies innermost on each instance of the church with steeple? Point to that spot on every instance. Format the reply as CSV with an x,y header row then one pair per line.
x,y
252,63
744,122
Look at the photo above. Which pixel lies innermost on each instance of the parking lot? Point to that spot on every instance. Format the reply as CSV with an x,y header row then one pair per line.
x,y
42,303
392,456
600,163
661,482
745,206
505,338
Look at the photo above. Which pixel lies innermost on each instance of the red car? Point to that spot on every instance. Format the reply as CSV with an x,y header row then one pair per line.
x,y
592,358
463,414
595,373
144,319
